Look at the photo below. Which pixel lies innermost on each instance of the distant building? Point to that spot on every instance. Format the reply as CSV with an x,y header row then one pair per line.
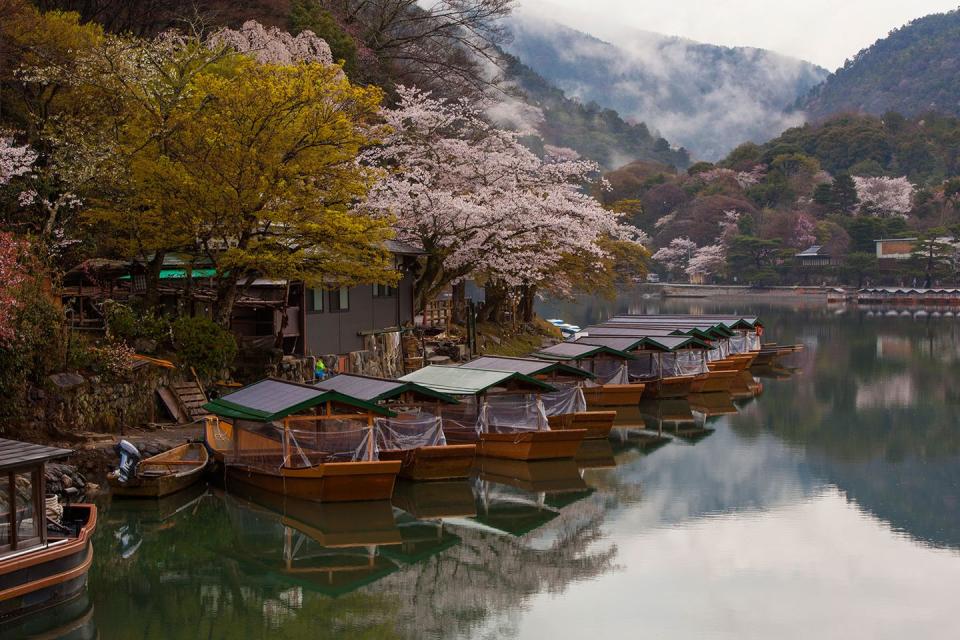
x,y
814,256
895,248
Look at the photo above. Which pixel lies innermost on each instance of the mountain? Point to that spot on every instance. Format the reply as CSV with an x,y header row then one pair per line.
x,y
913,70
707,98
594,132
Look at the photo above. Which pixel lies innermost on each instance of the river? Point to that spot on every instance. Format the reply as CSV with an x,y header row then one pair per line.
x,y
826,507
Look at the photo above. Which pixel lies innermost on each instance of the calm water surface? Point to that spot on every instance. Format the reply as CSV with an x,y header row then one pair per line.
x,y
826,507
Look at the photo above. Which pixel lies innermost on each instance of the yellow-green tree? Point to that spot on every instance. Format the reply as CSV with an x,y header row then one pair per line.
x,y
253,166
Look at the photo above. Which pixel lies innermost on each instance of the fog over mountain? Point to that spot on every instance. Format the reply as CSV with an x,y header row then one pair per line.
x,y
707,98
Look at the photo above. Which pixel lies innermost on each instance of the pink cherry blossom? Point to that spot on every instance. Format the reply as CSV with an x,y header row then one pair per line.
x,y
271,45
884,197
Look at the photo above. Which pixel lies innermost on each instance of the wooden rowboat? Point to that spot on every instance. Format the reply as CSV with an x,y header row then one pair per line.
x,y
449,462
614,395
163,474
597,423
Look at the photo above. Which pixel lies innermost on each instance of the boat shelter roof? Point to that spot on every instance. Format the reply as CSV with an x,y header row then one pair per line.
x,y
14,453
464,381
643,331
272,399
747,322
526,366
579,351
372,389
646,343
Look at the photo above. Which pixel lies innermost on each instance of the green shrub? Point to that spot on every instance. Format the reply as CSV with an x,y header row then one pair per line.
x,y
204,345
128,324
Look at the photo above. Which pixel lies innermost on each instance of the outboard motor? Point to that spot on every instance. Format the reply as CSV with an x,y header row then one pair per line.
x,y
129,459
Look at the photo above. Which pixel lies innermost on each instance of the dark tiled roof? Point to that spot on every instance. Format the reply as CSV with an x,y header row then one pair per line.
x,y
14,453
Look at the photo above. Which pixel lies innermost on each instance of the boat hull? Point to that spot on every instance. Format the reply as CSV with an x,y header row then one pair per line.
x,y
614,395
596,423
450,462
717,381
38,579
327,482
522,445
184,466
671,387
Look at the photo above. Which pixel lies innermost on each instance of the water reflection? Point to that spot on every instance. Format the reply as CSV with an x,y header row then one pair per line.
x,y
820,498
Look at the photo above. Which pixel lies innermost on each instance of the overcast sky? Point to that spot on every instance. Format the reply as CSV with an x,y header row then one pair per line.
x,y
822,31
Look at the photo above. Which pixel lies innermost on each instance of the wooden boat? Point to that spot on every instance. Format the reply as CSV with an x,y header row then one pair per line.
x,y
163,474
728,364
450,462
597,423
42,563
614,395
716,381
669,387
522,445
427,462
322,481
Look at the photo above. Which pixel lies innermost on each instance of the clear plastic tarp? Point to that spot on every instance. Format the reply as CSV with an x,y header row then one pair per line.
x,y
565,400
410,429
645,367
739,344
508,413
610,372
462,417
721,350
684,363
304,442
753,340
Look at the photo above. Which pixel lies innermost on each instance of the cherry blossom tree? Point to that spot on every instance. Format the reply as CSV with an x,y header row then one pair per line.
x,y
270,45
707,261
884,197
676,256
478,202
15,160
804,232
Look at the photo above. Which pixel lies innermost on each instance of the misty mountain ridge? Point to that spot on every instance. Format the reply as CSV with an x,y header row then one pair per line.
x,y
707,98
915,69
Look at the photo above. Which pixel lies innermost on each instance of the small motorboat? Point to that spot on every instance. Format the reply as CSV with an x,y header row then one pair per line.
x,y
159,476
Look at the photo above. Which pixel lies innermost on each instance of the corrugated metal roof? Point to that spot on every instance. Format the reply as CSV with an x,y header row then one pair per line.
x,y
273,399
810,252
462,381
656,343
578,351
620,344
403,248
526,366
14,453
372,389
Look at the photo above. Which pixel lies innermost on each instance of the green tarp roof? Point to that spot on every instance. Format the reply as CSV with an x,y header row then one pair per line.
x,y
181,274
526,366
463,381
271,399
579,351
371,389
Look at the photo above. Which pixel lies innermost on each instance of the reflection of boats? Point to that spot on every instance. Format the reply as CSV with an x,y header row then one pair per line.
x,y
327,457
420,540
538,476
331,549
163,474
511,513
744,386
712,404
595,454
42,562
676,417
160,510
443,499
71,620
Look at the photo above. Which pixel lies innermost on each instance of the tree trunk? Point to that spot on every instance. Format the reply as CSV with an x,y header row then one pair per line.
x,y
278,343
151,294
495,298
459,309
528,294
226,298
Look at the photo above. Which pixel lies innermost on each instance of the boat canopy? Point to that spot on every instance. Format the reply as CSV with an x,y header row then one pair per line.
x,y
372,389
464,381
643,331
647,343
272,399
579,351
526,366
731,322
14,454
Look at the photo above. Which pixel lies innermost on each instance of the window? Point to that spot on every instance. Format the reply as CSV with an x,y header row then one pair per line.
x,y
340,299
5,539
317,300
28,521
384,291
